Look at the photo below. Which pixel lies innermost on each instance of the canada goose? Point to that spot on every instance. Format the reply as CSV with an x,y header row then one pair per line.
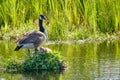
x,y
33,39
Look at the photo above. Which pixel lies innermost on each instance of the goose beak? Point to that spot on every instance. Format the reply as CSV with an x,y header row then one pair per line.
x,y
47,21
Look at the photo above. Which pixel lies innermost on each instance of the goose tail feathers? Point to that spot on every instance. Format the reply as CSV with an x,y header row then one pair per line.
x,y
18,47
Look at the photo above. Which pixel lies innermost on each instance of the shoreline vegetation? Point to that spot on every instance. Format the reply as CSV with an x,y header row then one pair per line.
x,y
69,20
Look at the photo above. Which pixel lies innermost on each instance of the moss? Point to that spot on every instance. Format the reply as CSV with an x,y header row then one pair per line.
x,y
37,63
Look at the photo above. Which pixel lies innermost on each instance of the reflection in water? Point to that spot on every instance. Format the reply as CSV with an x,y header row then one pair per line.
x,y
108,60
85,61
30,76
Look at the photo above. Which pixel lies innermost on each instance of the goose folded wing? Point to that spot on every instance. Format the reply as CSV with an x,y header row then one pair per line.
x,y
31,38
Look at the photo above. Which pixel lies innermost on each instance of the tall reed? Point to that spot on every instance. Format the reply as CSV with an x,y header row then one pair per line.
x,y
66,16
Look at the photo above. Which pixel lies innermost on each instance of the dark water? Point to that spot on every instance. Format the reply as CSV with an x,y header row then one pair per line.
x,y
98,60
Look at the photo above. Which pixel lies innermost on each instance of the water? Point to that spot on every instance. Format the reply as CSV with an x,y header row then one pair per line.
x,y
97,60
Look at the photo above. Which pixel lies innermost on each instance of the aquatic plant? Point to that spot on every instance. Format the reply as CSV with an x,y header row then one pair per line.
x,y
37,63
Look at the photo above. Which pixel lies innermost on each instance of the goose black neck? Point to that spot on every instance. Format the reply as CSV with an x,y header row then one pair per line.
x,y
41,28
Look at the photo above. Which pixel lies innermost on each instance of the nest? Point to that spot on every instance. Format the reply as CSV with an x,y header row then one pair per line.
x,y
45,61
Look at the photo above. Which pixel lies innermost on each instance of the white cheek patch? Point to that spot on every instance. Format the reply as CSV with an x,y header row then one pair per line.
x,y
40,18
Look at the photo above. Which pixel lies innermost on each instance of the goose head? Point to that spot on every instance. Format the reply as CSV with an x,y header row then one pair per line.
x,y
42,17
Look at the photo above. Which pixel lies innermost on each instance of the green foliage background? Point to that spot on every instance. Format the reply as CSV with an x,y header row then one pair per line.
x,y
69,19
